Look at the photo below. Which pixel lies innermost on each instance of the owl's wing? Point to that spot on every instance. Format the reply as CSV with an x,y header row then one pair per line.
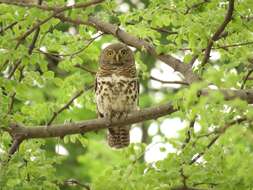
x,y
138,91
100,115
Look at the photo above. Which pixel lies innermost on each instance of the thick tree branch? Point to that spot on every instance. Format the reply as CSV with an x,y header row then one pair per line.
x,y
60,130
140,44
19,133
218,32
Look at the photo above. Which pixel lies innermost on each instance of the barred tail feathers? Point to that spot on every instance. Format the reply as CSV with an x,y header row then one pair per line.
x,y
118,137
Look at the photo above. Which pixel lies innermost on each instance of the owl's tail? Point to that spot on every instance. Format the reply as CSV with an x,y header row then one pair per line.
x,y
118,137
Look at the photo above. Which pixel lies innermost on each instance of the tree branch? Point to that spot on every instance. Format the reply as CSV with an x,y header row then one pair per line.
x,y
221,131
229,94
223,46
59,130
246,78
16,65
169,82
194,6
71,182
218,32
140,44
8,27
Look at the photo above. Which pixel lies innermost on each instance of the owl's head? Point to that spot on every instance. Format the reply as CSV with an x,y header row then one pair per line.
x,y
117,55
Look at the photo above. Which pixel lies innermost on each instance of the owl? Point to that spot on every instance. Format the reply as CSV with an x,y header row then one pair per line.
x,y
116,90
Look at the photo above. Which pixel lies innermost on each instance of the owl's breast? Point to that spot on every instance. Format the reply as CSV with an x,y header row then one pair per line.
x,y
117,93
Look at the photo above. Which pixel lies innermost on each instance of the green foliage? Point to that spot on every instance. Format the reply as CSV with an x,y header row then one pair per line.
x,y
46,79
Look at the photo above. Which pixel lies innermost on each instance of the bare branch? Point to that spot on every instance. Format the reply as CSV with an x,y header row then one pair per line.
x,y
59,130
218,32
20,132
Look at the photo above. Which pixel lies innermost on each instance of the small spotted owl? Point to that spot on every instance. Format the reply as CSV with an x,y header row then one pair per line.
x,y
116,90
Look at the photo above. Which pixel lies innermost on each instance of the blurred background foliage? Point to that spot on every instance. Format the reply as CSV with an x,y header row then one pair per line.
x,y
158,157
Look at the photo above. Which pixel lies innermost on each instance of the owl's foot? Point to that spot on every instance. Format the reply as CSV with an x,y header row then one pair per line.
x,y
108,122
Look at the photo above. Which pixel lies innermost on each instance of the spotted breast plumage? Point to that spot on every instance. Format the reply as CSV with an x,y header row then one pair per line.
x,y
116,90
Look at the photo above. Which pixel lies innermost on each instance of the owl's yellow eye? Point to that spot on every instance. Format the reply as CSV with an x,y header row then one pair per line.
x,y
109,53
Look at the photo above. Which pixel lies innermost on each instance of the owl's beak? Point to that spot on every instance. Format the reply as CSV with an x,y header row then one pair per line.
x,y
117,58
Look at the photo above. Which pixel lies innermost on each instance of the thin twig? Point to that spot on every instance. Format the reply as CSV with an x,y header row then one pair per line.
x,y
65,106
4,65
194,6
12,97
222,47
188,136
246,78
168,82
16,65
90,41
75,182
218,32
164,30
194,58
8,27
221,131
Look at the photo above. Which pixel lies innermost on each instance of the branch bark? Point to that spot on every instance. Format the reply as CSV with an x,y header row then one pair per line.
x,y
60,130
140,44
